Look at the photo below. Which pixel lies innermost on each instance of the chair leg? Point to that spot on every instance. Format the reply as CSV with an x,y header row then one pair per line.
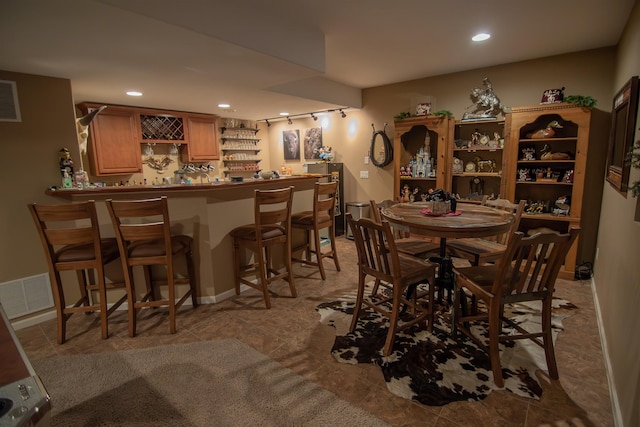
x,y
58,296
236,264
102,291
318,251
82,285
289,267
192,278
263,266
148,281
358,305
393,321
548,338
494,339
131,300
172,301
334,251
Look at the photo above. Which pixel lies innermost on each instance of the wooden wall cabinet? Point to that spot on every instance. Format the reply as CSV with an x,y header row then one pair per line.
x,y
538,172
203,140
116,135
410,135
114,145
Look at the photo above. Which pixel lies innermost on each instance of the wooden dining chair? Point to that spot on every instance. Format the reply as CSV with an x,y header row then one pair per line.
x,y
520,275
71,239
420,247
143,231
481,250
379,259
311,222
271,228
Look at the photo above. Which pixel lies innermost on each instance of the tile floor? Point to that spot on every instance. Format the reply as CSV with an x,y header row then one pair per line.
x,y
291,334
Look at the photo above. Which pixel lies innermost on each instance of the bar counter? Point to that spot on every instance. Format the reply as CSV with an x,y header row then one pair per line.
x,y
205,211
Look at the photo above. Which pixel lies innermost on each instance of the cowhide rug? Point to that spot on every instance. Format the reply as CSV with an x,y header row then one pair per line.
x,y
432,368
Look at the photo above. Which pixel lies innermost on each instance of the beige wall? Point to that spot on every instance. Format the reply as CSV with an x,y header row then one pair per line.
x,y
617,271
29,162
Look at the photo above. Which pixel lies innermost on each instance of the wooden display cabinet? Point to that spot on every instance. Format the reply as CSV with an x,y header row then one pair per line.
x,y
409,137
476,158
568,165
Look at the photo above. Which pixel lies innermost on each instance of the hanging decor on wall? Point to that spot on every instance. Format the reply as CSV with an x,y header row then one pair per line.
x,y
291,144
312,143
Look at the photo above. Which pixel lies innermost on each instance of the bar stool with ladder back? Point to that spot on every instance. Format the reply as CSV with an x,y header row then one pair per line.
x,y
77,248
143,231
271,228
321,217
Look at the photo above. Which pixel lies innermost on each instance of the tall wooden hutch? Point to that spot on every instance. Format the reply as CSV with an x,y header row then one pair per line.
x,y
562,175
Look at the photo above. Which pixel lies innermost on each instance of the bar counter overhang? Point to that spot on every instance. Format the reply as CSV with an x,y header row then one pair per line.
x,y
205,211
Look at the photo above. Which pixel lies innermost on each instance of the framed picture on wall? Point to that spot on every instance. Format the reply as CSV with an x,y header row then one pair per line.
x,y
291,144
312,143
623,127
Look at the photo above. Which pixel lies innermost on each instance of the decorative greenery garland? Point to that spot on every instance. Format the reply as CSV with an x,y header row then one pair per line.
x,y
581,101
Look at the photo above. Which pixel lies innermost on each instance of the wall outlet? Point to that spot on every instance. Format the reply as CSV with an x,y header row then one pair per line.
x,y
366,160
364,174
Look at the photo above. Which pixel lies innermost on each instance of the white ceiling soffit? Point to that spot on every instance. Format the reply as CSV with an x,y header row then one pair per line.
x,y
238,23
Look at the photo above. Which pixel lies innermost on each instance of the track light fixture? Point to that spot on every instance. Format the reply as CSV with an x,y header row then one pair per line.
x,y
312,114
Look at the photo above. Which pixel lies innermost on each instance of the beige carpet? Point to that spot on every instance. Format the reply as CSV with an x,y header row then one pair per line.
x,y
214,383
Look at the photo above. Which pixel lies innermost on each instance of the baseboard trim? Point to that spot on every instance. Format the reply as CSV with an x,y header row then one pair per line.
x,y
615,403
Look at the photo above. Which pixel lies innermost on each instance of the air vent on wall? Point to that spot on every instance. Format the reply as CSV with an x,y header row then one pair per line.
x,y
9,108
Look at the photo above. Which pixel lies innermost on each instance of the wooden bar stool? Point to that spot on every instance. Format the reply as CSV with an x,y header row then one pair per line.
x,y
272,227
78,248
143,231
321,217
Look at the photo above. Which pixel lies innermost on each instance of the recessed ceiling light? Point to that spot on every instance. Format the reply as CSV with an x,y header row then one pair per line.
x,y
284,113
224,105
134,93
481,37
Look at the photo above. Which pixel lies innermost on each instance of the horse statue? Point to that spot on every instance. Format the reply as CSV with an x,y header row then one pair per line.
x,y
485,103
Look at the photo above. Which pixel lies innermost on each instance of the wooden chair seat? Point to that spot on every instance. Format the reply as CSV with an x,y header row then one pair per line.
x,y
79,248
379,259
271,229
520,275
484,250
143,231
312,222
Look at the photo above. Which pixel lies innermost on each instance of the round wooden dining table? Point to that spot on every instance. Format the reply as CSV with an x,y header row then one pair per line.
x,y
469,220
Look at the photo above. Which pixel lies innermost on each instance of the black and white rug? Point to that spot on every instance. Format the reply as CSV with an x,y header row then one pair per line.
x,y
432,368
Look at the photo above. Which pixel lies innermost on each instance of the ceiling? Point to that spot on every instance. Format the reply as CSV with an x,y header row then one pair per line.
x,y
283,55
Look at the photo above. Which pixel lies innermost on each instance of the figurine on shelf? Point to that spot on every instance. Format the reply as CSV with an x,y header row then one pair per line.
x,y
547,132
528,153
547,154
568,176
405,196
484,165
66,163
563,204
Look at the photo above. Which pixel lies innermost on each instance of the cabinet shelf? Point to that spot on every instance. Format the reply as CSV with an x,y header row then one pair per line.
x,y
254,130
410,178
547,140
539,162
241,160
252,140
253,150
474,149
544,183
483,174
548,217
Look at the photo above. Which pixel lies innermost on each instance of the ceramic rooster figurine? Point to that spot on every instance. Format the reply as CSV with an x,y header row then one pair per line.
x,y
547,132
